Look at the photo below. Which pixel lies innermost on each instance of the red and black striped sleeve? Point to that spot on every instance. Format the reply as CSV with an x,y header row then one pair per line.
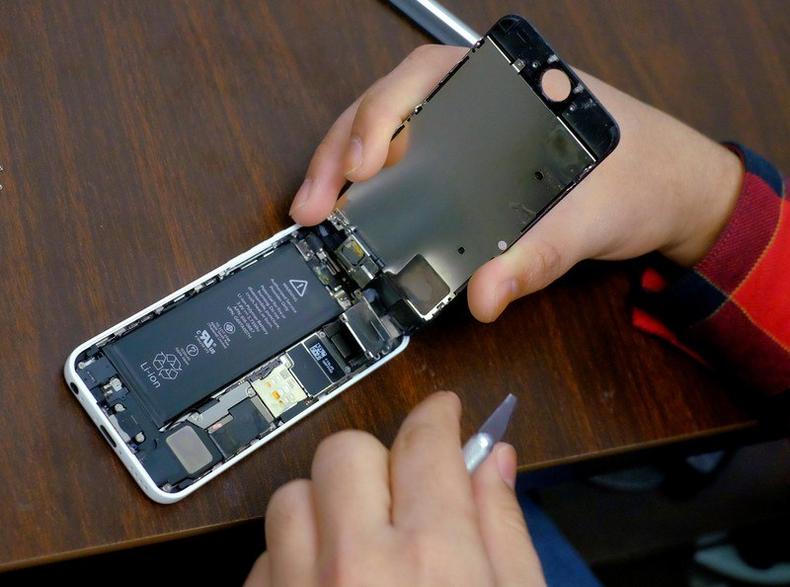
x,y
732,309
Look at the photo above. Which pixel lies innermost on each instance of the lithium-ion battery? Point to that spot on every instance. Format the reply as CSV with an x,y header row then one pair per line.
x,y
216,336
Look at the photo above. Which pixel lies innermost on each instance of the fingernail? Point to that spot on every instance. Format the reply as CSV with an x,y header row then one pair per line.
x,y
506,463
354,158
302,196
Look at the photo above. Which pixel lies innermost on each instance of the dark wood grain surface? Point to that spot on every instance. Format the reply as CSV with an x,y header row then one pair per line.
x,y
143,143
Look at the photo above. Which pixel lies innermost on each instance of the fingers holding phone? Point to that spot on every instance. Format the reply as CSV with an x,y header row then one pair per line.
x,y
357,144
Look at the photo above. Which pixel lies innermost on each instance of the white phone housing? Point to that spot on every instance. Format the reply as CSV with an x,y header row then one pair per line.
x,y
101,420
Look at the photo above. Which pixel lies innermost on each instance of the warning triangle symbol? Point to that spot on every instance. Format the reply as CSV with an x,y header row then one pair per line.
x,y
299,285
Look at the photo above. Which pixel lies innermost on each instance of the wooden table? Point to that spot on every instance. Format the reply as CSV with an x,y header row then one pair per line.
x,y
143,143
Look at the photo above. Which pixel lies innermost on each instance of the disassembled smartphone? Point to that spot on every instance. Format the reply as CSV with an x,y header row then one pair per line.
x,y
195,382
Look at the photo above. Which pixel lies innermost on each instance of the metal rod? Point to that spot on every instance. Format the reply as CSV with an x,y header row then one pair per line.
x,y
437,21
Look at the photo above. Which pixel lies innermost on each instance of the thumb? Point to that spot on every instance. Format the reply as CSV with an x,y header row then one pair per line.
x,y
541,256
502,525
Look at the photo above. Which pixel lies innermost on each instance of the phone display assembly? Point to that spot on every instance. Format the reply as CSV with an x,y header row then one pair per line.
x,y
197,381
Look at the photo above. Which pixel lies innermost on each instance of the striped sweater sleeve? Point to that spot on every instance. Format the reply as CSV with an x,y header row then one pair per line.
x,y
732,309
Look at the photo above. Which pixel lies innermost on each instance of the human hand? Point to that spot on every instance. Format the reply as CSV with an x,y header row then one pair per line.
x,y
409,516
665,187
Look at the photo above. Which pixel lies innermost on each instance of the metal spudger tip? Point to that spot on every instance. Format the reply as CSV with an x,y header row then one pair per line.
x,y
477,448
497,422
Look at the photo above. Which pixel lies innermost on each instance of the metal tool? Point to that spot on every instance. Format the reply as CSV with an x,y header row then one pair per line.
x,y
437,21
480,445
